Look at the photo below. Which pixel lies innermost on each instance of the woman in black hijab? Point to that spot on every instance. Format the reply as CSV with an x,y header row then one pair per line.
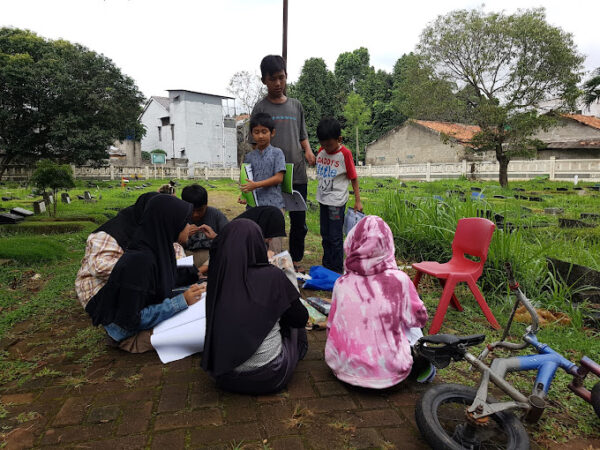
x,y
137,294
269,218
123,225
255,322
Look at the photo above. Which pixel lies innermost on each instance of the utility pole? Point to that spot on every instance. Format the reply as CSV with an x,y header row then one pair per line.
x,y
357,154
285,30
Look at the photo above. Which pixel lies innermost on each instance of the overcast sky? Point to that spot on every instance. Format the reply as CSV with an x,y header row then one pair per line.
x,y
199,44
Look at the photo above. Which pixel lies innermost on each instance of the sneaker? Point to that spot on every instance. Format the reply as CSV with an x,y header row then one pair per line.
x,y
427,375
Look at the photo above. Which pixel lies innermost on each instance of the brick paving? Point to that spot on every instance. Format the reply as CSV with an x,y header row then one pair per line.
x,y
134,401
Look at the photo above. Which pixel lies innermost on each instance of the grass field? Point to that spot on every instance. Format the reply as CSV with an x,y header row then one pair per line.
x,y
39,260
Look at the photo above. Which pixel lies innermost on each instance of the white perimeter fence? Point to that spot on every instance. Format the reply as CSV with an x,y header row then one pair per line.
x,y
555,169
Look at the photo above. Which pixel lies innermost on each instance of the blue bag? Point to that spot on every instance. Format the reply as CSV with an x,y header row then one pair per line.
x,y
322,279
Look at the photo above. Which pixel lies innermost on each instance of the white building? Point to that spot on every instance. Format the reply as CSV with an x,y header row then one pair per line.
x,y
191,125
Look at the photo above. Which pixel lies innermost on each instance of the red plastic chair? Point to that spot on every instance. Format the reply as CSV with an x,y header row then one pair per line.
x,y
473,236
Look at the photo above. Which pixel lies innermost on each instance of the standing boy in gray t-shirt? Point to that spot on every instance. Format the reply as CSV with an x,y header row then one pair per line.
x,y
290,137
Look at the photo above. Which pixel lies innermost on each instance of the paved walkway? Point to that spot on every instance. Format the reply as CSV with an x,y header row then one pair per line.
x,y
134,401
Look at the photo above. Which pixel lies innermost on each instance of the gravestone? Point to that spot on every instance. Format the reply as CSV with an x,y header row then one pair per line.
x,y
584,281
475,189
21,212
573,223
49,199
39,207
562,189
554,211
536,199
8,218
499,196
403,184
592,216
6,199
65,198
87,195
519,189
81,197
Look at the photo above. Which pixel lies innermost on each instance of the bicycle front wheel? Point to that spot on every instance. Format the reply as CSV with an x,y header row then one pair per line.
x,y
441,415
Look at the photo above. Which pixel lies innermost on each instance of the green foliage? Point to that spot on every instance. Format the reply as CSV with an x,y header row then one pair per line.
x,y
591,88
519,62
158,150
145,156
30,249
357,116
419,94
61,101
52,176
316,89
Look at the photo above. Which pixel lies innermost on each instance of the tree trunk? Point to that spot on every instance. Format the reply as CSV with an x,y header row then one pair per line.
x,y
503,173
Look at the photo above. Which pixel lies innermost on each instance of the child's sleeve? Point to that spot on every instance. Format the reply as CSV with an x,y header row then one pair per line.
x,y
278,162
349,163
415,313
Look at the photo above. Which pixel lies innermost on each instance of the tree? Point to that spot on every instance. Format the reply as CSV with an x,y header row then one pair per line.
x,y
591,89
315,89
49,175
351,68
247,88
61,101
357,119
420,94
511,64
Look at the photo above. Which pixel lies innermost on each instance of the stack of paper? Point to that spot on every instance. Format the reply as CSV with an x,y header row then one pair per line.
x,y
182,335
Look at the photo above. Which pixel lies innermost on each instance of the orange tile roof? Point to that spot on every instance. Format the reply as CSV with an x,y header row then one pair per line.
x,y
459,131
590,121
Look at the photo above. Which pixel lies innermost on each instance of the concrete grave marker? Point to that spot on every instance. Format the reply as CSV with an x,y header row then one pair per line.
x,y
65,198
8,218
39,207
21,212
49,199
87,195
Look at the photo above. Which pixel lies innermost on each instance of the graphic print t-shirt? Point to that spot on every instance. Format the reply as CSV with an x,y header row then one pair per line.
x,y
334,172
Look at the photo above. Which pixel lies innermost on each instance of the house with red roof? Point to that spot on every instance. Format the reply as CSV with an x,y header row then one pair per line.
x,y
418,141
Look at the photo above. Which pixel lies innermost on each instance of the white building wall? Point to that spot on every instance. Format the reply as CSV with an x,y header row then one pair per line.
x,y
151,120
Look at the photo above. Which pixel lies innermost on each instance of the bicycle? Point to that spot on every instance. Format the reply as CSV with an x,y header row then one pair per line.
x,y
453,416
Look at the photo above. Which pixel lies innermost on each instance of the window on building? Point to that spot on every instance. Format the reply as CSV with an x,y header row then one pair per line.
x,y
159,135
164,121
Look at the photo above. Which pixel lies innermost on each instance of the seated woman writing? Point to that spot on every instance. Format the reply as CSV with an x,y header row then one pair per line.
x,y
376,313
137,295
255,322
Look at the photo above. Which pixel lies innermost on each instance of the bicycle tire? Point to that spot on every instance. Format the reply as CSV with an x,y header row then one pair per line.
x,y
433,427
596,398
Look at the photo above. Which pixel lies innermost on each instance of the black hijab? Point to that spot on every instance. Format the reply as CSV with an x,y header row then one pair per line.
x,y
146,273
245,297
269,218
124,224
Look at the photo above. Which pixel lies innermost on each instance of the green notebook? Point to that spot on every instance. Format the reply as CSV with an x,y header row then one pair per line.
x,y
287,185
245,175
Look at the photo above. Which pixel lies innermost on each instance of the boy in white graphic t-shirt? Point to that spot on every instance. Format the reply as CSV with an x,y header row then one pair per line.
x,y
335,170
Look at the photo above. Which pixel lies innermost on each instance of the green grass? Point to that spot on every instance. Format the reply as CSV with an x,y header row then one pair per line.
x,y
421,233
30,249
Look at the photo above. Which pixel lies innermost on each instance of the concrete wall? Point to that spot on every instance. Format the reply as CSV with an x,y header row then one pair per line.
x,y
151,120
575,153
411,144
569,130
132,150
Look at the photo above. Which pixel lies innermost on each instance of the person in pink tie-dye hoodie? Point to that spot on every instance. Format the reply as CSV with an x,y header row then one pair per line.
x,y
376,313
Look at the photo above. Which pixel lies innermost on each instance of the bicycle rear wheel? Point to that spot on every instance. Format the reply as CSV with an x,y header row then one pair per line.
x,y
596,398
442,419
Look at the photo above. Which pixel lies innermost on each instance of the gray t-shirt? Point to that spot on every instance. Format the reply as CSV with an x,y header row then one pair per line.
x,y
290,129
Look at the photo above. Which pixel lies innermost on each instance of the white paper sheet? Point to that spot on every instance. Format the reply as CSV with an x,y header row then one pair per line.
x,y
182,335
188,261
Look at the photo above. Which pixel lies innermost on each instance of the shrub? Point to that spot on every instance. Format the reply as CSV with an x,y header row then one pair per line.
x,y
31,249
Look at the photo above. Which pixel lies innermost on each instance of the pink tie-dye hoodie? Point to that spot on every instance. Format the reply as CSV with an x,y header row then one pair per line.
x,y
373,307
